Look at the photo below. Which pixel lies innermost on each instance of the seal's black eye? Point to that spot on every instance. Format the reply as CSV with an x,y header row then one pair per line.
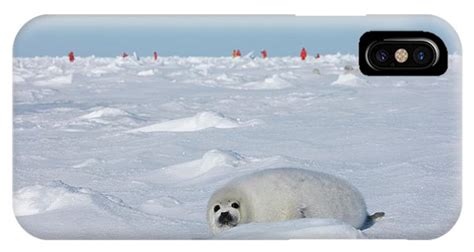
x,y
235,205
216,208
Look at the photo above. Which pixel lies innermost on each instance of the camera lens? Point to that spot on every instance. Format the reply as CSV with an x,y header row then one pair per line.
x,y
381,56
422,55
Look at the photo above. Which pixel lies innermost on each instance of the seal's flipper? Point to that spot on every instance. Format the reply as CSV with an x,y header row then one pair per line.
x,y
371,219
377,216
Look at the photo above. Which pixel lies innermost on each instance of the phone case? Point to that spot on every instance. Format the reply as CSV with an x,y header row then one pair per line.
x,y
230,127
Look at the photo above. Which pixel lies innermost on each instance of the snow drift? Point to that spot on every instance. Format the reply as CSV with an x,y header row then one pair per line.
x,y
107,116
273,82
349,79
146,73
57,81
214,165
212,162
56,195
293,229
65,211
200,121
106,113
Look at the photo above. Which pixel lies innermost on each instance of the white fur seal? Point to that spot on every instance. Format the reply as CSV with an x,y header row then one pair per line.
x,y
284,194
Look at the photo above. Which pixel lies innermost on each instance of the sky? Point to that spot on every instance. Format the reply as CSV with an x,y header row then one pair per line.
x,y
284,35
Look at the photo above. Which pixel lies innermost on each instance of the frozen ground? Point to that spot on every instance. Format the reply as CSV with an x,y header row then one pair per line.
x,y
113,148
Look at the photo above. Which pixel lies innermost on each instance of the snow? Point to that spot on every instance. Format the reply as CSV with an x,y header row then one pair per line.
x,y
146,73
200,121
214,164
348,79
294,229
57,81
39,199
274,82
87,163
211,160
105,112
104,116
101,152
59,210
18,79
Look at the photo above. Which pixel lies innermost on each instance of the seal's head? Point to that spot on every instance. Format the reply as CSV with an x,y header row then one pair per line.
x,y
224,214
228,207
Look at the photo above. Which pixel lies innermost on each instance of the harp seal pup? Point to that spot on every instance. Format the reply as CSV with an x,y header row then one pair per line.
x,y
287,193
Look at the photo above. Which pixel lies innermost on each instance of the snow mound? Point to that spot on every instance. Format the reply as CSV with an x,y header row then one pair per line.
x,y
274,82
164,204
146,73
39,199
200,121
88,162
351,80
54,70
212,162
57,210
106,112
35,95
294,229
98,71
55,81
106,116
18,79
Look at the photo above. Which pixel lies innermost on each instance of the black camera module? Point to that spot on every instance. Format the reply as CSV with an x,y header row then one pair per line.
x,y
423,55
381,55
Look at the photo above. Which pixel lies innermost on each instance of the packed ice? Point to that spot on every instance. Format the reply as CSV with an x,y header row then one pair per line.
x,y
110,148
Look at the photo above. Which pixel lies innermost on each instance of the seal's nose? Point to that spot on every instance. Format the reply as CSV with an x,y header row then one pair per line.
x,y
225,214
225,217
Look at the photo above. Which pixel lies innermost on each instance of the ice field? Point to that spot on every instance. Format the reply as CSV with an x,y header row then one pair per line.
x,y
112,148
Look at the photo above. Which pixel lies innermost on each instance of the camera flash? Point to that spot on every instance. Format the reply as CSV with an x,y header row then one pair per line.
x,y
401,55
